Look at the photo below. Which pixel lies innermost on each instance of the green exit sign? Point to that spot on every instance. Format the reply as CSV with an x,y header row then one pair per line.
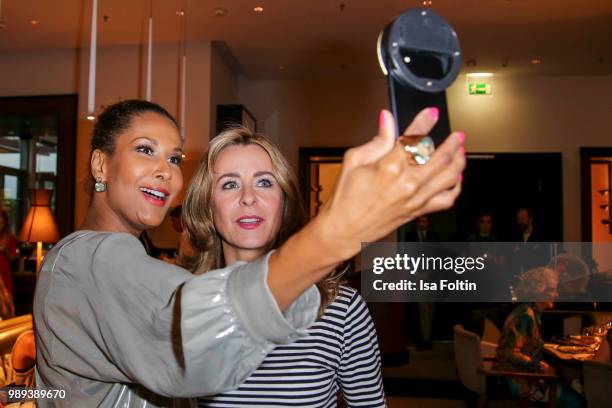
x,y
479,89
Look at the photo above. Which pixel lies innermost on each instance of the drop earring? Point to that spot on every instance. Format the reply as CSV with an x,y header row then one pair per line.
x,y
100,185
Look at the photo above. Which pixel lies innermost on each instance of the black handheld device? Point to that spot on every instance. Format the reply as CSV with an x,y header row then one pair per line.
x,y
419,53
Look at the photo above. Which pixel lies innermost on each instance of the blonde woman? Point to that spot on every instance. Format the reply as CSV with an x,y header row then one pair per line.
x,y
243,202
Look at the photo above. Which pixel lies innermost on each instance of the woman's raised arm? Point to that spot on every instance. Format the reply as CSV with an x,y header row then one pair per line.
x,y
378,190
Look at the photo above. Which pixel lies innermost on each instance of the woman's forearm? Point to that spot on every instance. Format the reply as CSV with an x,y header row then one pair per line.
x,y
306,258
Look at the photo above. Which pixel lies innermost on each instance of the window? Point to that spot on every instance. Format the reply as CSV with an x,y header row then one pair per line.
x,y
37,150
28,159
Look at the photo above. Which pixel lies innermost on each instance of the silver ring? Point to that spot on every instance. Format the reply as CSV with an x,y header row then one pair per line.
x,y
421,150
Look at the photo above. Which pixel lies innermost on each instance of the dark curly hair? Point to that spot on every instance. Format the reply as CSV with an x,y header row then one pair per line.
x,y
117,118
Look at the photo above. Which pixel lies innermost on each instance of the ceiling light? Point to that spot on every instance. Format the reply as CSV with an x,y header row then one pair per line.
x,y
34,22
427,3
536,61
180,13
258,9
93,47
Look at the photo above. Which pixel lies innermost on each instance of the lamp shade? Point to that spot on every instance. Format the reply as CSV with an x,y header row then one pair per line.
x,y
39,225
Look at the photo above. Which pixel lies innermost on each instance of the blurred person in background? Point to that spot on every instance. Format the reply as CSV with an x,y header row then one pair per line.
x,y
484,228
521,346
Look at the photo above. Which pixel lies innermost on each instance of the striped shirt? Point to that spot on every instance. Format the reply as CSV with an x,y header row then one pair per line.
x,y
340,352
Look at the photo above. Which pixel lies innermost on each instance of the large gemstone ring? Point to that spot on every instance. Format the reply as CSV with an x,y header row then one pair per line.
x,y
420,147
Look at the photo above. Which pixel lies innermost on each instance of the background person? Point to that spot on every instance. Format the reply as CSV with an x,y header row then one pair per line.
x,y
526,229
484,229
421,233
425,310
521,346
531,249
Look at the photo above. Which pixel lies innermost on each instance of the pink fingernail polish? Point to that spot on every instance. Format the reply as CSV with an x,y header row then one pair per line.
x,y
433,112
382,119
462,137
460,178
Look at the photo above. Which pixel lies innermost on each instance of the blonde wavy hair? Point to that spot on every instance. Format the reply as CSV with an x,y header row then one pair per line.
x,y
198,214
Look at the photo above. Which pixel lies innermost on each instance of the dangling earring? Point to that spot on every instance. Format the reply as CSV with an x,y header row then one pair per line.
x,y
100,185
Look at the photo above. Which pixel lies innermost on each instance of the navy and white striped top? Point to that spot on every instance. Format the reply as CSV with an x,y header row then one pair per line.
x,y
341,350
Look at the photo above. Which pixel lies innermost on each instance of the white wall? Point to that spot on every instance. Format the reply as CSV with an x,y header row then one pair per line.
x,y
315,113
536,114
44,72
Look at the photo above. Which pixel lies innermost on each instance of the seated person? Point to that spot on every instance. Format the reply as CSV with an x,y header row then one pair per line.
x,y
521,346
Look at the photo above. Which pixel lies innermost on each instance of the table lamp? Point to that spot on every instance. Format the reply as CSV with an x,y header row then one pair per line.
x,y
39,225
